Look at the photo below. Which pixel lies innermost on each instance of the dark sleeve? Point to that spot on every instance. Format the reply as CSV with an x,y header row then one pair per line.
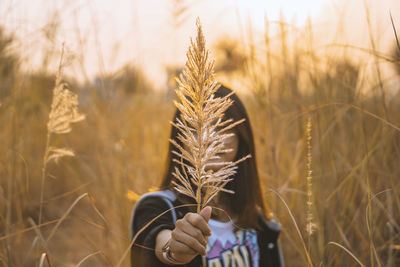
x,y
270,252
145,212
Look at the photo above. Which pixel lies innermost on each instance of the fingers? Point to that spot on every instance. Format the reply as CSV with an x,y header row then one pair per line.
x,y
191,233
184,243
179,248
186,227
198,221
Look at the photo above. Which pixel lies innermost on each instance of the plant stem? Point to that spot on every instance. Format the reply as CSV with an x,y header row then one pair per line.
x,y
46,153
200,155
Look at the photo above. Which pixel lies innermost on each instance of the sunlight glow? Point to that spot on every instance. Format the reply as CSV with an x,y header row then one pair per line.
x,y
109,34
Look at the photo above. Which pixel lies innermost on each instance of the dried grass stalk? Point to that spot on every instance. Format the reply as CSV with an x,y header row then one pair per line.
x,y
64,111
311,226
202,128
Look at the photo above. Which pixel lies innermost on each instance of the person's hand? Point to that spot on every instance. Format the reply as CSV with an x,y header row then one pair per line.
x,y
190,236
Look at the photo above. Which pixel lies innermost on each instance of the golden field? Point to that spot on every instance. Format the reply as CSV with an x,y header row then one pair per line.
x,y
352,193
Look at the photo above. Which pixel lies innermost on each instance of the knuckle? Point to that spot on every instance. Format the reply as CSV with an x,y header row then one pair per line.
x,y
195,219
189,217
186,249
192,243
199,235
174,234
179,223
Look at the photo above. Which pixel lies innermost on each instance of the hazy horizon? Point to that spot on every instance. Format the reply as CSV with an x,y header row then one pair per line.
x,y
107,35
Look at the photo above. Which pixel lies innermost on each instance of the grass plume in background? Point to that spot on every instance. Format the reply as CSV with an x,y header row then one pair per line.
x,y
202,128
64,112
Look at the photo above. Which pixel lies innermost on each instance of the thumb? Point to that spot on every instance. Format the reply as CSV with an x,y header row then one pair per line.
x,y
206,213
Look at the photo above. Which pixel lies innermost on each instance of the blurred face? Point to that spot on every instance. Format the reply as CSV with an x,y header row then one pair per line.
x,y
231,144
230,148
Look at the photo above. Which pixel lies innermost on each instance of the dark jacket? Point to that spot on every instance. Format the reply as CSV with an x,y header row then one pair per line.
x,y
153,204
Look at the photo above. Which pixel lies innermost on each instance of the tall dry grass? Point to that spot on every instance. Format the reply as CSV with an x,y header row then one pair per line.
x,y
354,147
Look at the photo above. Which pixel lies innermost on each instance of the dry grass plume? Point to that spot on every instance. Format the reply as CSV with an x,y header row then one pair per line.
x,y
202,128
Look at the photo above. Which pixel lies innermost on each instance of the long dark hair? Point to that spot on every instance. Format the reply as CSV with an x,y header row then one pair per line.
x,y
247,203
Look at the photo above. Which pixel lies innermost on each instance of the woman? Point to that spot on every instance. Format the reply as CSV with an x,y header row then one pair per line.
x,y
237,232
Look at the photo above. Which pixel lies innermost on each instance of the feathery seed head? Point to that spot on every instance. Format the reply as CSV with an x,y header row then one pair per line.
x,y
64,109
202,128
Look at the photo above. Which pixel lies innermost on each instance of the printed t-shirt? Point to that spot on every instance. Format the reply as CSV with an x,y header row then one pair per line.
x,y
229,248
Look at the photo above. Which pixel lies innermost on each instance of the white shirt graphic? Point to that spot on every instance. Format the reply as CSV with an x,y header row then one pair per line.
x,y
227,248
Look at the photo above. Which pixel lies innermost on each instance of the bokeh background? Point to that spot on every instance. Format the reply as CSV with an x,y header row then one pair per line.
x,y
333,63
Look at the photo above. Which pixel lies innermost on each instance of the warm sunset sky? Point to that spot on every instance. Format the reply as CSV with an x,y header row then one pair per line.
x,y
109,34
